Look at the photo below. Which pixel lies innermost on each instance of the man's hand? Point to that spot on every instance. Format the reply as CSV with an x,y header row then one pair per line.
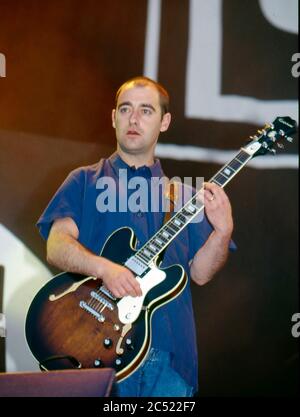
x,y
119,280
213,254
65,252
218,209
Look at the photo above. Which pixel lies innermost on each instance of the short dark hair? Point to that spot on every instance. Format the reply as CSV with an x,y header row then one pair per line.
x,y
141,81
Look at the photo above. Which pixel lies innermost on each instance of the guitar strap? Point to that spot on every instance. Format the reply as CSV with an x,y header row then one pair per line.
x,y
170,195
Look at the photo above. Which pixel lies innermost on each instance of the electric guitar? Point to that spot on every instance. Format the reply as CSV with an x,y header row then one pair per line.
x,y
74,321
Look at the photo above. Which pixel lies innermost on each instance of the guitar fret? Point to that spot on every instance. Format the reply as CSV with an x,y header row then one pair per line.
x,y
152,247
163,239
143,257
186,213
238,159
173,226
196,202
177,222
235,164
216,182
181,217
243,156
222,177
139,258
150,251
169,229
156,245
191,208
227,171
166,234
146,252
158,241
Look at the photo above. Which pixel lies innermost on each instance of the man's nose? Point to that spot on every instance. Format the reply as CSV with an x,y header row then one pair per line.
x,y
133,117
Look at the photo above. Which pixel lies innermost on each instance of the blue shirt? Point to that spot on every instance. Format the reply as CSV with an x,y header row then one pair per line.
x,y
173,325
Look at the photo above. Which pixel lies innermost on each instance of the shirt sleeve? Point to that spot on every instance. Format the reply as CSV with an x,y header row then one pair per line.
x,y
66,202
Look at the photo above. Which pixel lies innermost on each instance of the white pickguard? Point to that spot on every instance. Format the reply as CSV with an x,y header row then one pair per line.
x,y
130,307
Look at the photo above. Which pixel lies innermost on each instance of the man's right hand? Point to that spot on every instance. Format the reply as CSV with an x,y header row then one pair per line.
x,y
65,252
119,280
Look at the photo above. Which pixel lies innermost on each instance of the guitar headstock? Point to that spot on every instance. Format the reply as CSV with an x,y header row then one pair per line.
x,y
274,133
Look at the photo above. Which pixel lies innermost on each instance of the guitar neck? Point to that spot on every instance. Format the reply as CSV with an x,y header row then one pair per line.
x,y
158,243
228,171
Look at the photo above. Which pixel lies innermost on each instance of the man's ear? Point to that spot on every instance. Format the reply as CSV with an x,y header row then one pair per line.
x,y
113,114
166,120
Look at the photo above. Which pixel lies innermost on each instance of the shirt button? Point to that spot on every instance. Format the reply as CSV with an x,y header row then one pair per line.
x,y
139,214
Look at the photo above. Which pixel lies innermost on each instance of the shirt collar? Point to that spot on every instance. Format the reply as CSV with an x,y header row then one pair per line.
x,y
154,170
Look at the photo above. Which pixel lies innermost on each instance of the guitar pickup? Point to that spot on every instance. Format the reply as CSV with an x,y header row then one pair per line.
x,y
93,312
136,266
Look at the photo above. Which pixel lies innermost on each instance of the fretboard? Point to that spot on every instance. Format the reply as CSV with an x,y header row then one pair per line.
x,y
154,246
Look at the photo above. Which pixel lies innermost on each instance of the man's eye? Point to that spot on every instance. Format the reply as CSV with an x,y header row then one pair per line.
x,y
124,109
146,111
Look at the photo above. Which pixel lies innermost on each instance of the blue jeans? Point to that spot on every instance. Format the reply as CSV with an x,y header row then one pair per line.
x,y
155,378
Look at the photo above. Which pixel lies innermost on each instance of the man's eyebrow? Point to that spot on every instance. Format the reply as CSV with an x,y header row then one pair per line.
x,y
128,103
148,106
125,103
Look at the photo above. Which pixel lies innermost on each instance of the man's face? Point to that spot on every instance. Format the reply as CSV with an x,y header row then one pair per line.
x,y
137,120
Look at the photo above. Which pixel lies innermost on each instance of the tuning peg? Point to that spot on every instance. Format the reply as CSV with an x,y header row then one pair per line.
x,y
288,138
273,151
272,135
280,145
262,132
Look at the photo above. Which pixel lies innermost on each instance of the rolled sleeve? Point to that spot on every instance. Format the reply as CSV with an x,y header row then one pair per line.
x,y
66,202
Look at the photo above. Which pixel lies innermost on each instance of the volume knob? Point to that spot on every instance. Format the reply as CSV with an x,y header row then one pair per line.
x,y
107,343
98,363
118,362
129,344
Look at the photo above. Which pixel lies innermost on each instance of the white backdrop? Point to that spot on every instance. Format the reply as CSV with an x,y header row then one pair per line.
x,y
24,275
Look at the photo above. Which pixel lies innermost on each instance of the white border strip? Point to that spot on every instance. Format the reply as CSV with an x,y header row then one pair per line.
x,y
152,39
204,98
198,154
